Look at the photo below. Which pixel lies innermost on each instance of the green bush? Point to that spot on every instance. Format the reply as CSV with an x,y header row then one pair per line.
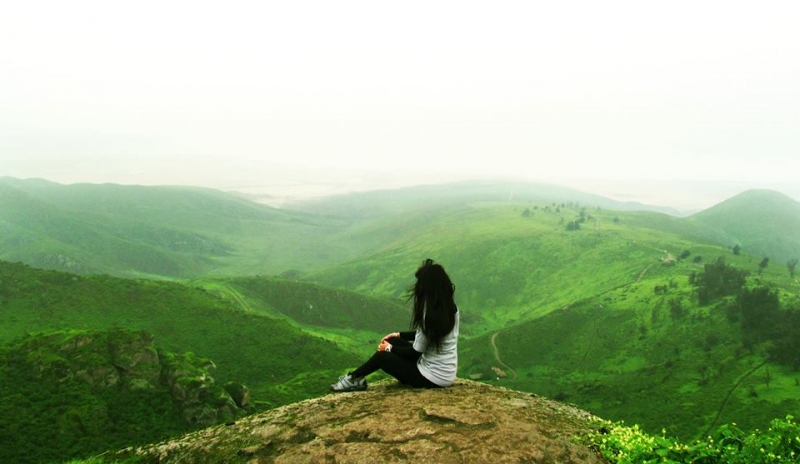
x,y
728,445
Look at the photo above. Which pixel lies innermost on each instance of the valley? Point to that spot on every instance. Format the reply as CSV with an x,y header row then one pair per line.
x,y
576,298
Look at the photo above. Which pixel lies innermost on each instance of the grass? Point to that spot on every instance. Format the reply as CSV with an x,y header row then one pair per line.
x,y
625,355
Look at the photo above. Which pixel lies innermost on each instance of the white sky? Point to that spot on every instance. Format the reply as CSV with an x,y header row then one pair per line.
x,y
308,97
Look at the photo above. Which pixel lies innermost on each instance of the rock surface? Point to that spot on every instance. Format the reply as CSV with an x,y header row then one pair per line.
x,y
469,422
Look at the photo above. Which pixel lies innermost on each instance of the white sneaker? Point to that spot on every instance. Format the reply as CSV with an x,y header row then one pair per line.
x,y
348,383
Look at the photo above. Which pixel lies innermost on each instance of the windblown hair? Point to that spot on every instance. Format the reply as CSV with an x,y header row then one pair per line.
x,y
434,307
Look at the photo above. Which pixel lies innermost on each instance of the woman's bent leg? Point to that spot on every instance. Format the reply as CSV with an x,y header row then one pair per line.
x,y
372,365
402,369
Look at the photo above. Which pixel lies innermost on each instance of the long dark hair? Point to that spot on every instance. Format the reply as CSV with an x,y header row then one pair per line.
x,y
434,307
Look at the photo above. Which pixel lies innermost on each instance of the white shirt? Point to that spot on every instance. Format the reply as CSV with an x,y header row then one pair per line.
x,y
439,366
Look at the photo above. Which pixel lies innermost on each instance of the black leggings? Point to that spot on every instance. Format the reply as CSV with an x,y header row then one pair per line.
x,y
403,369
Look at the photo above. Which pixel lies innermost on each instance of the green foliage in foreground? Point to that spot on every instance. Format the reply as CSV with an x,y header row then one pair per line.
x,y
621,444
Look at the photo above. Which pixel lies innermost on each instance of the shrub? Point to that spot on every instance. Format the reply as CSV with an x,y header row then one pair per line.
x,y
729,445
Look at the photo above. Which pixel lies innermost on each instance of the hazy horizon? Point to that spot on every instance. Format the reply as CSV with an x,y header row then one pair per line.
x,y
678,104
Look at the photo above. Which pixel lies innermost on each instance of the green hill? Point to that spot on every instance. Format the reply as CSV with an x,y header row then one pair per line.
x,y
382,203
284,340
648,353
510,266
179,232
572,299
586,315
762,222
279,362
352,320
172,232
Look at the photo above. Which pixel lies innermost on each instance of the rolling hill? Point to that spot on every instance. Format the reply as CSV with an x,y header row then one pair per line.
x,y
276,360
179,232
762,222
161,232
381,203
284,340
574,300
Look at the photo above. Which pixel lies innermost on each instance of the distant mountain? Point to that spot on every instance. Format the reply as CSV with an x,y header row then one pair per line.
x,y
403,200
189,232
155,231
762,222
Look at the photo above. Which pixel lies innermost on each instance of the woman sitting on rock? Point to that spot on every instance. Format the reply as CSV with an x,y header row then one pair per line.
x,y
426,357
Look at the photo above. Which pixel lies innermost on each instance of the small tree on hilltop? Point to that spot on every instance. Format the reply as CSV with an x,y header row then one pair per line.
x,y
763,264
737,250
791,264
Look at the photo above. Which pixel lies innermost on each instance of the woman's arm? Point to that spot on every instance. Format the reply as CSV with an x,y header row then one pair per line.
x,y
406,351
407,336
400,347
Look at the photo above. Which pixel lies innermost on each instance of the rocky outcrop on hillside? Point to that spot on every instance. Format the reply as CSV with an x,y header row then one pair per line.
x,y
469,422
76,393
120,360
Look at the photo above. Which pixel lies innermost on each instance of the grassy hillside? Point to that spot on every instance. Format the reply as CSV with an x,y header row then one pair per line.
x,y
351,320
278,361
173,232
517,261
382,203
649,353
157,231
762,222
587,304
586,315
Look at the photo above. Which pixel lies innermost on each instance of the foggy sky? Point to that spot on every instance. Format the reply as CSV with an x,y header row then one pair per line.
x,y
312,97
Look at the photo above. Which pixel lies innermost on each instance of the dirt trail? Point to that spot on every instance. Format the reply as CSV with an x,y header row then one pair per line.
x,y
644,271
238,298
497,356
730,393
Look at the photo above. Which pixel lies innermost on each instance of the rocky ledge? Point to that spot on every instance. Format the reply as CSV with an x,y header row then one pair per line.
x,y
469,422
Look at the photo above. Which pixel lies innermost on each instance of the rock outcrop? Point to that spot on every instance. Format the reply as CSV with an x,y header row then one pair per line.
x,y
76,393
128,360
469,422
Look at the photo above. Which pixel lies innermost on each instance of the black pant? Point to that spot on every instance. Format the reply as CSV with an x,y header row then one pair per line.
x,y
403,369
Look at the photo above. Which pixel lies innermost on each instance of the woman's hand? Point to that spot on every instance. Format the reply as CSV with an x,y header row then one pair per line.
x,y
391,335
384,345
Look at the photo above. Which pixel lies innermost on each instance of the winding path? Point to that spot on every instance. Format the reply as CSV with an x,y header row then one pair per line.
x,y
730,393
497,356
644,271
238,298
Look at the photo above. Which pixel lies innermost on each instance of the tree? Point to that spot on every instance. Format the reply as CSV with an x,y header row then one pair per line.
x,y
737,249
763,264
718,279
791,264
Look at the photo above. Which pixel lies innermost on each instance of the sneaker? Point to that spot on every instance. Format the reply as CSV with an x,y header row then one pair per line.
x,y
349,383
